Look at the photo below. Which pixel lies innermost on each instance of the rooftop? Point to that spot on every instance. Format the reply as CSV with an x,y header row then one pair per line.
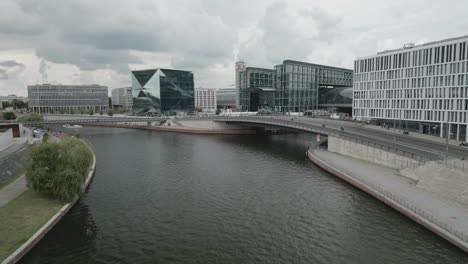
x,y
425,44
315,65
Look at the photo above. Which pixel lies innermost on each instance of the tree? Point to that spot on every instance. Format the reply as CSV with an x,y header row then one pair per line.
x,y
59,169
198,108
91,112
110,102
18,104
6,104
218,111
9,115
110,112
31,117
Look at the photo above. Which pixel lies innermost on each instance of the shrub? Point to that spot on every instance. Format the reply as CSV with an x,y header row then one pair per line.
x,y
31,117
110,112
59,169
9,115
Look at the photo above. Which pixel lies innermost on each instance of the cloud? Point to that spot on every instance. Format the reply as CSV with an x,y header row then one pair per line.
x,y
3,75
10,63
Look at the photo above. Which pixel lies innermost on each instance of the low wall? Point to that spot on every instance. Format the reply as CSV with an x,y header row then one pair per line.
x,y
372,153
28,245
6,139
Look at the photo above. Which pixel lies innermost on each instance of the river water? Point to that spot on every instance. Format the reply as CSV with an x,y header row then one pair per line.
x,y
176,198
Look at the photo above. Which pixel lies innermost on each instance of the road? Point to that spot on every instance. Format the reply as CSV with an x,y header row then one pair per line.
x,y
408,143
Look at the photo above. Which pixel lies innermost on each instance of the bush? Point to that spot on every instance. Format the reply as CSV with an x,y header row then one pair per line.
x,y
9,115
59,169
110,112
31,117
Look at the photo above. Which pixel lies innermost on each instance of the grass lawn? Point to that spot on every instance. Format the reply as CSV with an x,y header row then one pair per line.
x,y
22,217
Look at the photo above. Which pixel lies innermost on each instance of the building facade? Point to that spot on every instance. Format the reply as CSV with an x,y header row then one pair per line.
x,y
424,86
226,98
240,67
256,90
206,99
122,99
58,98
162,91
297,84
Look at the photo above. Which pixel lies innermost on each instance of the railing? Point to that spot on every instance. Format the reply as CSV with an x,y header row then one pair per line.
x,y
427,214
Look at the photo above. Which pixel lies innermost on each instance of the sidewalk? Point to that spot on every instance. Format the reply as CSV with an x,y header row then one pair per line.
x,y
12,190
448,215
437,139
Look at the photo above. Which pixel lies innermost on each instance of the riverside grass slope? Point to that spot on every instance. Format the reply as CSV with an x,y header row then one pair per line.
x,y
24,216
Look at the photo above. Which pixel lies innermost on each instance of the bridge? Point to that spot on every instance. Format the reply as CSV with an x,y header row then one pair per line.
x,y
421,147
431,150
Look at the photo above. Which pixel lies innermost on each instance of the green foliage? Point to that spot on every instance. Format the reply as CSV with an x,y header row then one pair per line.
x,y
6,104
78,136
18,104
45,138
9,115
110,112
218,111
101,112
91,112
59,169
31,117
198,108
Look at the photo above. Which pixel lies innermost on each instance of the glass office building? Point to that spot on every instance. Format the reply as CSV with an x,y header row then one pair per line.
x,y
162,91
256,89
297,84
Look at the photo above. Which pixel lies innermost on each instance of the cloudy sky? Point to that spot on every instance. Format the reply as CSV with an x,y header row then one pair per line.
x,y
100,41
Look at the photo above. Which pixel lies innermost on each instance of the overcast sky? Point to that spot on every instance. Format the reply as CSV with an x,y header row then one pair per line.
x,y
100,41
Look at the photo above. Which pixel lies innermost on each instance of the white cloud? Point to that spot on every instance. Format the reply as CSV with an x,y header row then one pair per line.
x,y
83,41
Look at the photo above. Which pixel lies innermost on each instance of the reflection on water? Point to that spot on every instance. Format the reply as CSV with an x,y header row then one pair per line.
x,y
176,198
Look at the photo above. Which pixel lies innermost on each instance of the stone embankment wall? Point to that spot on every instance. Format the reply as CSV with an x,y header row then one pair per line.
x,y
6,139
371,153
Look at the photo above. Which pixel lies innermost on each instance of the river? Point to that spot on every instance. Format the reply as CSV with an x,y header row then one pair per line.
x,y
162,197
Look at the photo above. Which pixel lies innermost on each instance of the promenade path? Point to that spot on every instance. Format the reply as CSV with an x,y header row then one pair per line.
x,y
449,215
12,190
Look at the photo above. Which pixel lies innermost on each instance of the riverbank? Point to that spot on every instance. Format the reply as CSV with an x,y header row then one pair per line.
x,y
26,219
444,217
188,130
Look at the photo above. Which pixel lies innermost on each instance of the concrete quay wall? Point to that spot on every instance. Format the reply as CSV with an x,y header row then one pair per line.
x,y
372,153
391,201
181,129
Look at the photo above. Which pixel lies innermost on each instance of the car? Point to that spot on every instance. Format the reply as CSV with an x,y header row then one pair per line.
x,y
405,133
463,144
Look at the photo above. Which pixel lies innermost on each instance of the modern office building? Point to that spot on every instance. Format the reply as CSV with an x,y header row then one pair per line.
x,y
122,99
226,98
256,90
297,84
162,91
292,86
206,99
58,98
422,87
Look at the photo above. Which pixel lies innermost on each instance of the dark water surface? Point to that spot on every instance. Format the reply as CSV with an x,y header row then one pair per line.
x,y
178,198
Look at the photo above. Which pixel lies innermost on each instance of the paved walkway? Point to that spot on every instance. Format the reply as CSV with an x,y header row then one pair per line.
x,y
12,190
449,215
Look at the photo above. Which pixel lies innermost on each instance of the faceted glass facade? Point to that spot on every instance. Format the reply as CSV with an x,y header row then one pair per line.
x,y
336,96
256,87
162,91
